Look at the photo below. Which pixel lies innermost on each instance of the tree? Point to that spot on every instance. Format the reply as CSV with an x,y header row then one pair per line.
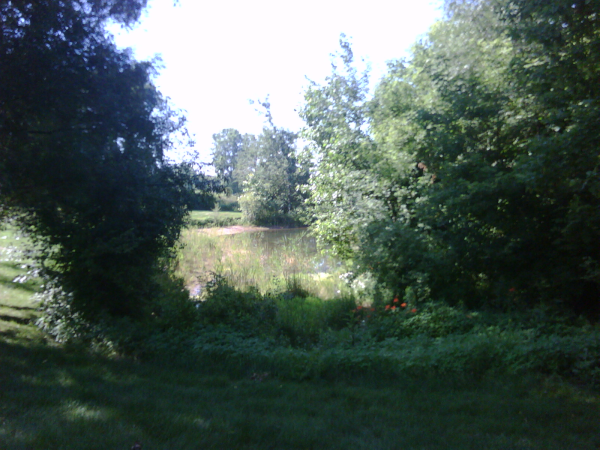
x,y
226,147
484,184
83,135
270,175
342,191
270,191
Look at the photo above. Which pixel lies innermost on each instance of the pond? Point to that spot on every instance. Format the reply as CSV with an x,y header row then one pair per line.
x,y
260,257
294,240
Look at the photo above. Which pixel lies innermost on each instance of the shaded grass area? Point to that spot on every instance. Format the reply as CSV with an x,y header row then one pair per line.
x,y
62,397
56,399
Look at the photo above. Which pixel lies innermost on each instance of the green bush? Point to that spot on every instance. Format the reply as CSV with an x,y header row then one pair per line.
x,y
260,211
303,320
247,311
297,337
298,320
229,203
430,319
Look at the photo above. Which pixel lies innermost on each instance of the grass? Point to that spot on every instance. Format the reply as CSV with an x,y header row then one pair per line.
x,y
207,219
62,397
58,399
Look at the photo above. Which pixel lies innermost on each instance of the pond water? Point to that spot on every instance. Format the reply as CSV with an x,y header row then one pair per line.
x,y
258,257
297,241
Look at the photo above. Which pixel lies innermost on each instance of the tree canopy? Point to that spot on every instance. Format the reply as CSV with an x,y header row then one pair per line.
x,y
83,135
472,175
227,145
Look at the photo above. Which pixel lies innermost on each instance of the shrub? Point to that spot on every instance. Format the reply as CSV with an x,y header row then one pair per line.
x,y
247,311
229,203
431,319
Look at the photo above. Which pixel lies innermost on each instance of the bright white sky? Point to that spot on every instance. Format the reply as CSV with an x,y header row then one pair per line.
x,y
220,54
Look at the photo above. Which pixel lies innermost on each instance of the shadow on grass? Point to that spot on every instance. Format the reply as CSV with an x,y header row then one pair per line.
x,y
54,399
18,308
9,271
16,319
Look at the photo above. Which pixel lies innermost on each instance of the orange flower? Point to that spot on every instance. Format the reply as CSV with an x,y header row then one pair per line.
x,y
388,307
512,289
372,309
403,305
393,308
396,300
414,310
359,307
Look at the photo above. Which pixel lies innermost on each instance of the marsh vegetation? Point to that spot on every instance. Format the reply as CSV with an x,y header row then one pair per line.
x,y
270,260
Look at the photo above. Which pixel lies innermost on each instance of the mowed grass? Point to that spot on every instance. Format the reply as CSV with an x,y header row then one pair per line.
x,y
57,397
204,215
204,219
17,309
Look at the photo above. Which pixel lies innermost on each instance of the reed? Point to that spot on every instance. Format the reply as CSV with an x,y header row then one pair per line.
x,y
249,260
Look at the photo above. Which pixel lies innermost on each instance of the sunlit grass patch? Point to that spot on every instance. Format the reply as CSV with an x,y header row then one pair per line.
x,y
204,219
18,284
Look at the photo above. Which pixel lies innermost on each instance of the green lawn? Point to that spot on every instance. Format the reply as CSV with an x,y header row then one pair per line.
x,y
204,219
56,397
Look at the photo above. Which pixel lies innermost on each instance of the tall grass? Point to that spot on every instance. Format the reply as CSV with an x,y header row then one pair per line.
x,y
245,261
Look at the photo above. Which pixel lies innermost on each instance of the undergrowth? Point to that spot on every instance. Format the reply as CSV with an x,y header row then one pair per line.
x,y
296,336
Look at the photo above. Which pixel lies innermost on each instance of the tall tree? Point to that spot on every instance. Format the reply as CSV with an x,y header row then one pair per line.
x,y
270,189
488,155
342,153
83,135
270,174
226,147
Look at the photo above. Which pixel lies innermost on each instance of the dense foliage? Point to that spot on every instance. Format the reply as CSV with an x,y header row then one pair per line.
x,y
83,135
265,169
473,173
227,145
273,175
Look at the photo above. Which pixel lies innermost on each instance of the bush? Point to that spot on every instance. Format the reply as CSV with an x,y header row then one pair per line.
x,y
229,203
244,311
304,320
260,211
430,319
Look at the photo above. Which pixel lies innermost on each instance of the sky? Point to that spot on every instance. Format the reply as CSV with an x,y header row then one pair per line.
x,y
218,55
